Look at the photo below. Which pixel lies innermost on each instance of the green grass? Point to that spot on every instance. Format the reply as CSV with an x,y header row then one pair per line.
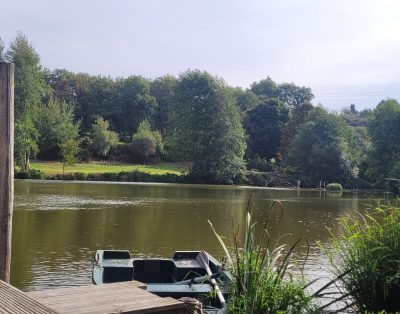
x,y
53,168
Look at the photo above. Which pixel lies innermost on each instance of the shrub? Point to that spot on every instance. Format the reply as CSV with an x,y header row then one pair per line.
x,y
334,187
366,259
80,176
31,174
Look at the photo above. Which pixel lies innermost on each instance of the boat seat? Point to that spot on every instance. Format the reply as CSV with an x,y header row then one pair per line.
x,y
179,290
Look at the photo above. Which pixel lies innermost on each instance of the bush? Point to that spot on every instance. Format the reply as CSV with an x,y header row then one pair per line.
x,y
334,187
366,259
31,174
80,176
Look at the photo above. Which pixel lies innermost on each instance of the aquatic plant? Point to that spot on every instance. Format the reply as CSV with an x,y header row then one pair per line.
x,y
334,187
366,259
261,281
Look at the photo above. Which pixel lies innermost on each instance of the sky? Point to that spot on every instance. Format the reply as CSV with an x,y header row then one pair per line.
x,y
346,51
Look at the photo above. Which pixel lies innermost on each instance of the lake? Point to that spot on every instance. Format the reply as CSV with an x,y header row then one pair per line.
x,y
58,226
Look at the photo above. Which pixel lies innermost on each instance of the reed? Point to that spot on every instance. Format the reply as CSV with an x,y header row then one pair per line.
x,y
262,281
366,259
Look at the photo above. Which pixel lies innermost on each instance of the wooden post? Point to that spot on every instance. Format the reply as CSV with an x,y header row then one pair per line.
x,y
6,166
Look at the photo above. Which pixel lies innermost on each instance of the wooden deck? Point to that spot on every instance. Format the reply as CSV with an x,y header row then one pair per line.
x,y
14,301
123,297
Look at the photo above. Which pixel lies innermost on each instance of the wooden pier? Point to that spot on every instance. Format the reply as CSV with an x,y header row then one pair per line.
x,y
123,297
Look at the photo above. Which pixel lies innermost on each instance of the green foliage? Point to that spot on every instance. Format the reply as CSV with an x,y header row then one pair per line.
x,y
261,280
101,138
69,149
134,101
28,91
334,187
206,129
25,141
384,129
31,174
264,125
366,259
163,89
146,144
324,148
56,126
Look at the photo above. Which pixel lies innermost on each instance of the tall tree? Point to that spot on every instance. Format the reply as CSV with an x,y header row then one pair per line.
x,y
163,89
265,88
298,117
264,125
206,128
56,126
293,96
384,129
323,148
134,102
29,90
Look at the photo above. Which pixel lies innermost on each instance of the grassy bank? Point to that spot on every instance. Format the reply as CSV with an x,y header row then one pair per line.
x,y
51,168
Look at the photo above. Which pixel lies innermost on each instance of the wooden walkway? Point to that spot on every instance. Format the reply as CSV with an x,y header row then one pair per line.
x,y
123,297
14,301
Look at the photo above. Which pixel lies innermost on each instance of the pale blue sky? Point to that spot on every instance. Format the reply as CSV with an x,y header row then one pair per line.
x,y
347,51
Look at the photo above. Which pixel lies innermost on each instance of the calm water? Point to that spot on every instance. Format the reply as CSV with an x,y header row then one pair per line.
x,y
58,226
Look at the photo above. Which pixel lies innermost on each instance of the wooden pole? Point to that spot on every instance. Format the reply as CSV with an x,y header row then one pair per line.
x,y
6,166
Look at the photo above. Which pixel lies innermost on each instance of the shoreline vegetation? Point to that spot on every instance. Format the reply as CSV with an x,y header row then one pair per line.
x,y
156,173
268,134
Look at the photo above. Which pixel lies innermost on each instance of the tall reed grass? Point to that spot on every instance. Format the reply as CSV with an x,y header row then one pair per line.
x,y
262,281
366,259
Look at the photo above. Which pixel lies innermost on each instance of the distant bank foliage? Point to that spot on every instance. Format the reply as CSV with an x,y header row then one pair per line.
x,y
217,130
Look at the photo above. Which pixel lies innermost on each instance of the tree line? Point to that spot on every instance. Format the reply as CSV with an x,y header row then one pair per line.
x,y
268,133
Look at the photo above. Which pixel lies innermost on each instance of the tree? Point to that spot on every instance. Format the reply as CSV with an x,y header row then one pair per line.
x,y
134,103
246,99
29,90
101,138
297,118
69,149
293,96
265,88
264,125
146,144
56,126
206,129
163,89
323,148
384,129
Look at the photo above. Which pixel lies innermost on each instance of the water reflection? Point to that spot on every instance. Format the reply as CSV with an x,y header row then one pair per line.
x,y
58,226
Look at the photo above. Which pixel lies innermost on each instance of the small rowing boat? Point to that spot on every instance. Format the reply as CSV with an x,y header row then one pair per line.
x,y
193,274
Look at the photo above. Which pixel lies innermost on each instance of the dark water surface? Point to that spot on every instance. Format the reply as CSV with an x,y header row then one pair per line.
x,y
57,226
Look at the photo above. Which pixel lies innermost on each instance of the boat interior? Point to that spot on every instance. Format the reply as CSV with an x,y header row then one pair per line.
x,y
182,267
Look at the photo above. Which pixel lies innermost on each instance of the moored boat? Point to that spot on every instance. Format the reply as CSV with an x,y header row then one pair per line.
x,y
193,274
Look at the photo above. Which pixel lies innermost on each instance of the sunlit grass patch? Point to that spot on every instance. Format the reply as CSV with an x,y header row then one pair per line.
x,y
53,168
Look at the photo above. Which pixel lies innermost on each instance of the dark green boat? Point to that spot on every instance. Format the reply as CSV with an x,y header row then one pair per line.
x,y
194,274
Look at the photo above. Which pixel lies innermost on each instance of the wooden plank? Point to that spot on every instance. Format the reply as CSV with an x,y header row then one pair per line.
x,y
13,300
123,297
6,166
88,289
